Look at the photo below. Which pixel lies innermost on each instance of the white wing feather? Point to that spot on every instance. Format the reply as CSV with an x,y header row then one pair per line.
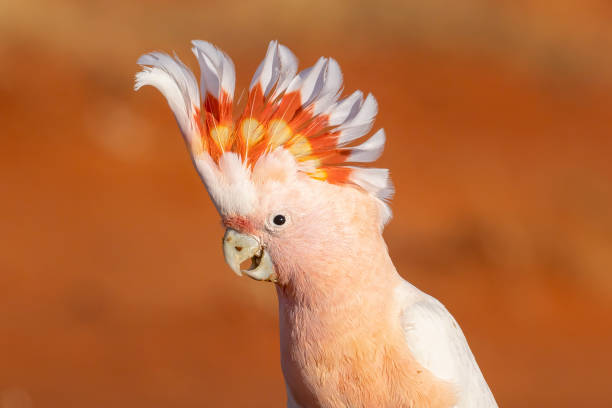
x,y
438,344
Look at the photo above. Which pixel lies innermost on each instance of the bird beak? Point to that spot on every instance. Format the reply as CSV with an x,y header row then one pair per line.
x,y
245,255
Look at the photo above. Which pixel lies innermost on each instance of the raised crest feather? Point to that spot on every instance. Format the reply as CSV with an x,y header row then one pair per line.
x,y
178,85
299,112
218,76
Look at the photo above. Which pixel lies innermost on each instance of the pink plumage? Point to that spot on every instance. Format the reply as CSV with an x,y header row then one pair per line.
x,y
353,332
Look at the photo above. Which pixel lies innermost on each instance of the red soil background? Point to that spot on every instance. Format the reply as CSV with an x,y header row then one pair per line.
x,y
113,289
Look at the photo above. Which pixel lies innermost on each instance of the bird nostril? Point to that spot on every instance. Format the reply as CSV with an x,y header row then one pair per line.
x,y
238,248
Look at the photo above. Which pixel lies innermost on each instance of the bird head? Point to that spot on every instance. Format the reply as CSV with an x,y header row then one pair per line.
x,y
280,174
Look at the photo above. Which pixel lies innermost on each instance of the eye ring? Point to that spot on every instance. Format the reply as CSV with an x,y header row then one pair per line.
x,y
279,219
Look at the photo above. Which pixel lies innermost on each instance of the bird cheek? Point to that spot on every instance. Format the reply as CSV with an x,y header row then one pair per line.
x,y
239,223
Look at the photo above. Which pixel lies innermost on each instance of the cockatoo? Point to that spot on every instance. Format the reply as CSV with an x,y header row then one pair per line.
x,y
353,333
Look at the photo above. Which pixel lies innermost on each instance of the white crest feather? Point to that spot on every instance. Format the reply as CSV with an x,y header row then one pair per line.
x,y
267,73
309,82
332,87
287,70
361,123
368,151
228,183
178,85
373,180
345,109
319,87
378,183
216,68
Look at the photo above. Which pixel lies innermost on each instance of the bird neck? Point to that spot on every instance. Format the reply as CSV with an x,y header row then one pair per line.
x,y
342,340
334,281
351,293
319,324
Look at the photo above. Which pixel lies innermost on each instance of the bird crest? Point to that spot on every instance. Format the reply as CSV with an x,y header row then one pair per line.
x,y
302,113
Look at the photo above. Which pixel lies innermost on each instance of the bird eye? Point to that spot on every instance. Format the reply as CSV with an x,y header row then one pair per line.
x,y
279,219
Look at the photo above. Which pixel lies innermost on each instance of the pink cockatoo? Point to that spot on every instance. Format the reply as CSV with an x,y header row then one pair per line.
x,y
353,333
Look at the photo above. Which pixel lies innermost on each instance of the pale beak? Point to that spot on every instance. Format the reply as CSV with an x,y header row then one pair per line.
x,y
246,255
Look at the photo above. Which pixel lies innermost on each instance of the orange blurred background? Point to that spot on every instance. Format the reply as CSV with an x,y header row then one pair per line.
x,y
112,282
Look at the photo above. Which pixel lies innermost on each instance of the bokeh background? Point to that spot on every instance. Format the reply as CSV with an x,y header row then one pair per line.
x,y
113,289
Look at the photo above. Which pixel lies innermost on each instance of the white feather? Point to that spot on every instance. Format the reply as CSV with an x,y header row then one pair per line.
x,y
385,213
360,124
319,86
296,82
309,82
438,344
217,70
228,78
373,180
345,109
267,73
229,184
287,69
178,85
368,151
331,88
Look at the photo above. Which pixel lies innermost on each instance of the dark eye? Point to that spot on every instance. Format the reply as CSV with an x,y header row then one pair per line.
x,y
279,219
